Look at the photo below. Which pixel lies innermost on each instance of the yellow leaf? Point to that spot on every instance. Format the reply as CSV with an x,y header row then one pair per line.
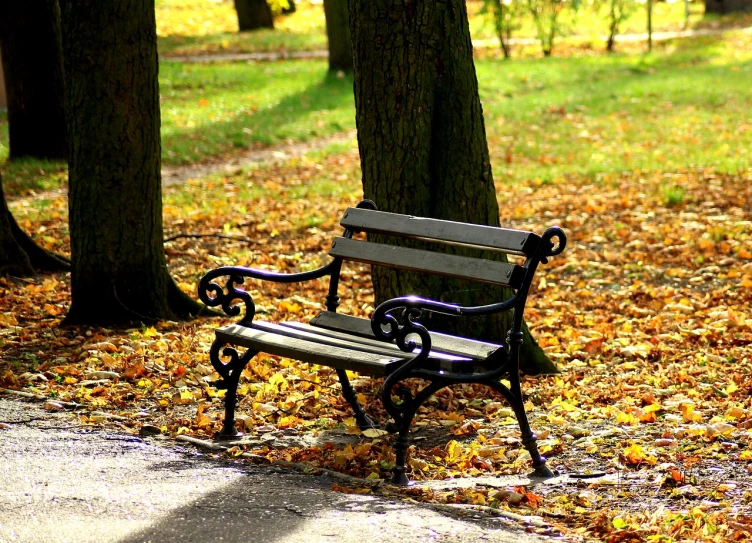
x,y
625,418
635,454
374,432
454,450
150,332
731,388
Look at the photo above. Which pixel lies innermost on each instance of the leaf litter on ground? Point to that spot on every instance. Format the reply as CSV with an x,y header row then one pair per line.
x,y
646,313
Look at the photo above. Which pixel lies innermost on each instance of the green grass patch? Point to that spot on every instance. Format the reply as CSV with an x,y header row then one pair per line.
x,y
210,110
687,105
199,27
29,176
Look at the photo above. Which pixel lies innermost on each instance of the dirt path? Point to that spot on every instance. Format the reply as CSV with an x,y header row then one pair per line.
x,y
176,175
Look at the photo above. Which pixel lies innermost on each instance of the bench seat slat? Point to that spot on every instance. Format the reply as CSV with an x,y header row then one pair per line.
x,y
471,348
310,351
331,337
461,267
509,241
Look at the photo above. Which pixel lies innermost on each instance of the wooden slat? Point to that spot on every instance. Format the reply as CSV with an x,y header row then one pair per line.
x,y
471,348
309,351
333,337
461,267
516,242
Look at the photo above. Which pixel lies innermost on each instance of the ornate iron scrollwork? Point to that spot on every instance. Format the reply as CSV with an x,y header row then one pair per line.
x,y
235,362
401,329
213,294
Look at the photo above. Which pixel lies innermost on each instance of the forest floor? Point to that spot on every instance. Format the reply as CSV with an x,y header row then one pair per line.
x,y
642,160
646,314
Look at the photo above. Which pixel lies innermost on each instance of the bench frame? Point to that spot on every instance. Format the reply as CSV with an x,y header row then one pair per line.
x,y
396,320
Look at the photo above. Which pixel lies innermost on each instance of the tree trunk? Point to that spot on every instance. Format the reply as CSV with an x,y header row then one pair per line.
x,y
423,145
119,271
649,6
253,14
613,27
338,33
30,41
727,6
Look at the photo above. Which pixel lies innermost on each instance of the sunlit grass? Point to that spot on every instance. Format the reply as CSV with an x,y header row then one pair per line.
x,y
209,110
687,105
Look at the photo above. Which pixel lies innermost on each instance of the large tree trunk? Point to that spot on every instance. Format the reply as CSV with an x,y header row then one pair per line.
x,y
727,6
19,254
338,33
119,271
30,41
423,145
253,14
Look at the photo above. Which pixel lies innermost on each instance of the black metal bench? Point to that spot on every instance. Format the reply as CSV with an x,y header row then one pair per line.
x,y
393,344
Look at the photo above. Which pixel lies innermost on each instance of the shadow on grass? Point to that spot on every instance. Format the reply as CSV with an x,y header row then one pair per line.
x,y
321,109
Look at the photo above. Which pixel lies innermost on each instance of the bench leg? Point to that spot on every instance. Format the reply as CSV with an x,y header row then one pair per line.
x,y
230,372
513,395
364,422
403,415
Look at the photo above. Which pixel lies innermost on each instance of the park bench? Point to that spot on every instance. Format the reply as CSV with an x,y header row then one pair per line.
x,y
393,344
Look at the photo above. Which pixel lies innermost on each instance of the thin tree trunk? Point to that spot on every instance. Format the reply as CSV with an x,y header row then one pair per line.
x,y
423,145
119,271
253,14
338,33
612,29
30,41
649,6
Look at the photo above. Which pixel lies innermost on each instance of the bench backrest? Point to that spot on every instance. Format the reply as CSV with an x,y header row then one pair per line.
x,y
514,242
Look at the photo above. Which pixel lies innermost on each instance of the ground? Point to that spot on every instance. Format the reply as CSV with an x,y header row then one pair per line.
x,y
643,160
68,483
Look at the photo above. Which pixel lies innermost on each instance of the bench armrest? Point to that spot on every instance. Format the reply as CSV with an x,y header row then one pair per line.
x,y
214,294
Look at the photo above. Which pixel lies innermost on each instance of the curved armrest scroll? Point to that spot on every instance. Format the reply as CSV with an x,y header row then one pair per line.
x,y
552,250
214,294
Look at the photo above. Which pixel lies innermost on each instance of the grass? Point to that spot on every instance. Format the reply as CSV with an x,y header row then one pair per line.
x,y
209,110
199,27
196,27
687,105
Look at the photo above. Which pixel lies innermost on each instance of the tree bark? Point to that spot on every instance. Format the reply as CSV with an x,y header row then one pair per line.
x,y
727,6
253,14
338,33
119,273
423,146
649,7
30,42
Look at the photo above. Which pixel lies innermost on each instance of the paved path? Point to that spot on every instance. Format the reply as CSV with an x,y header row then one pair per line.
x,y
60,483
